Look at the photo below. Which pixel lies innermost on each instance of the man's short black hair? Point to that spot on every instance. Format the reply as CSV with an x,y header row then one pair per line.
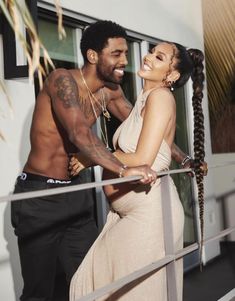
x,y
96,36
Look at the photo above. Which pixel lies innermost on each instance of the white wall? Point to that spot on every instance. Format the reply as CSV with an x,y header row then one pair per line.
x,y
167,19
224,186
179,21
13,153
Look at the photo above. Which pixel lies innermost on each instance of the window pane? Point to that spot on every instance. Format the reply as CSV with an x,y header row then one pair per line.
x,y
60,50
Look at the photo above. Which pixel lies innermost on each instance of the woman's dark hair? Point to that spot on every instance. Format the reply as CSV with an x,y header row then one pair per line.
x,y
190,63
96,36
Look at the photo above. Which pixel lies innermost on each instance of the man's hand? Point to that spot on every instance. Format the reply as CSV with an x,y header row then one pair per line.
x,y
204,168
186,161
148,175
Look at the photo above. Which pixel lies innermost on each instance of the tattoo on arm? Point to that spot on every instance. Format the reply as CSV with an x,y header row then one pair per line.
x,y
97,152
67,91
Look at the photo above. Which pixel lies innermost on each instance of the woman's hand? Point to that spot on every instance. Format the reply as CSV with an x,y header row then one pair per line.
x,y
149,175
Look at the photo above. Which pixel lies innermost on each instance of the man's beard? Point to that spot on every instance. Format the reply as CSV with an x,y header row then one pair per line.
x,y
108,77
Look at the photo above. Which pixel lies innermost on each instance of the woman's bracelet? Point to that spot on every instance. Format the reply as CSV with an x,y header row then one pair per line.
x,y
124,167
185,160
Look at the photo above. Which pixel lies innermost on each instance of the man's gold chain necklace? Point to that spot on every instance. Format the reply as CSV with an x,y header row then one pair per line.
x,y
102,104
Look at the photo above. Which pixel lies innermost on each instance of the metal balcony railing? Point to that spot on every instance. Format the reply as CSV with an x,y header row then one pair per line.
x,y
170,258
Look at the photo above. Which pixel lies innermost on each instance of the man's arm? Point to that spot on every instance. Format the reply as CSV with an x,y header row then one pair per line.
x,y
64,94
177,154
118,105
185,160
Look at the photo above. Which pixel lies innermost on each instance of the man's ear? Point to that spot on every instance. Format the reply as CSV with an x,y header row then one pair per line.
x,y
92,56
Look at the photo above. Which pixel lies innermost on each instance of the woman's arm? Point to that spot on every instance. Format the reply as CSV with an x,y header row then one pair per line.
x,y
159,114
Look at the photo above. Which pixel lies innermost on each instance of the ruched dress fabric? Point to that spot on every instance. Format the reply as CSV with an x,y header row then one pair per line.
x,y
133,235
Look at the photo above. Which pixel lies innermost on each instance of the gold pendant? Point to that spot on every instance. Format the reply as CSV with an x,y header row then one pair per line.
x,y
106,114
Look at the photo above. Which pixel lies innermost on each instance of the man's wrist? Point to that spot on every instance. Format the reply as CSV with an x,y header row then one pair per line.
x,y
186,160
121,171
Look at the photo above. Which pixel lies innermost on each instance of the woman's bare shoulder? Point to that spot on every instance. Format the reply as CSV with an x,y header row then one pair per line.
x,y
163,96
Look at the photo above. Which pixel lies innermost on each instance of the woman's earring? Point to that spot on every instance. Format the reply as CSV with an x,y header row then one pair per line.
x,y
171,86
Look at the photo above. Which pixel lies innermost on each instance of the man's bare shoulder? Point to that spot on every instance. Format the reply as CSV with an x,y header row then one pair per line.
x,y
60,75
58,72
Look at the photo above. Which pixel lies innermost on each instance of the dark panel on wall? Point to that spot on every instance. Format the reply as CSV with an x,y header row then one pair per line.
x,y
11,70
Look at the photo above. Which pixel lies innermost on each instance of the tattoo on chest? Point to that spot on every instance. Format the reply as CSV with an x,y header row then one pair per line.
x,y
86,107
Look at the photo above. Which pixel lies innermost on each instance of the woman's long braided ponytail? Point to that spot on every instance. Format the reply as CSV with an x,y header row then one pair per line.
x,y
199,137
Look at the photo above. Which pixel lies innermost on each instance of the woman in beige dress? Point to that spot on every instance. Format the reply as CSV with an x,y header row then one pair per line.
x,y
133,234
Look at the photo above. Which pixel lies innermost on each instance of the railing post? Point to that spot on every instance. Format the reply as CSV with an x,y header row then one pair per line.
x,y
168,238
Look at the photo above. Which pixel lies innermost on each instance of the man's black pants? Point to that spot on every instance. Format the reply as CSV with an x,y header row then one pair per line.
x,y
51,228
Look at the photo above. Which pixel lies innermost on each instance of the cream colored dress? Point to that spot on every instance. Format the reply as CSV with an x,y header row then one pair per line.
x,y
133,234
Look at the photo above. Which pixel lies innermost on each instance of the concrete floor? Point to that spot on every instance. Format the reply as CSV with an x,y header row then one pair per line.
x,y
216,279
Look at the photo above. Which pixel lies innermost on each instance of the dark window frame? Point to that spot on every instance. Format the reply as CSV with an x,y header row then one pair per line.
x,y
11,69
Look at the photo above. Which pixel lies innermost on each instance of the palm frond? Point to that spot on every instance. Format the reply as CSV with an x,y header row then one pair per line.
x,y
2,86
61,30
14,11
219,39
17,13
2,136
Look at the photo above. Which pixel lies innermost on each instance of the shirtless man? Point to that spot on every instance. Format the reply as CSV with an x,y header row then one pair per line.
x,y
62,227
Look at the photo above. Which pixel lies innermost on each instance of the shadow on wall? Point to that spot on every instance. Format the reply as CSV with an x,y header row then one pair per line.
x,y
8,230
